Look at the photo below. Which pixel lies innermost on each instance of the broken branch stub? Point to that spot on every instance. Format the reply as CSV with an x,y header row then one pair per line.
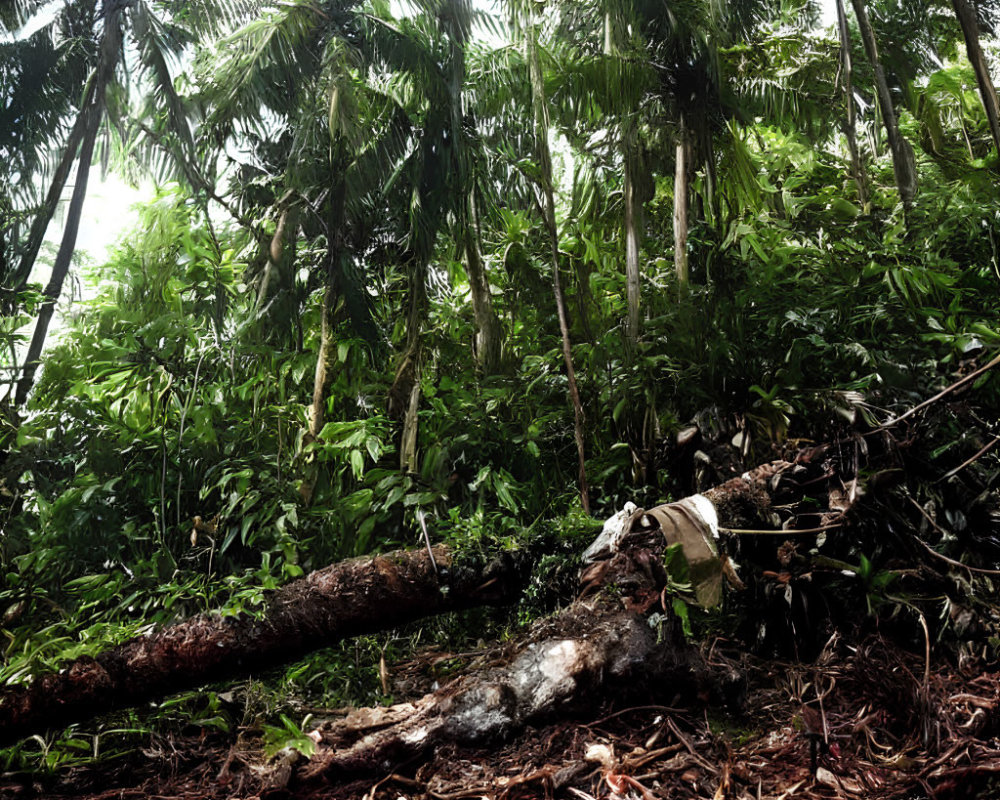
x,y
693,524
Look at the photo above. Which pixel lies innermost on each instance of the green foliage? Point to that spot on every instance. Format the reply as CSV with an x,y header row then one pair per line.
x,y
165,463
286,736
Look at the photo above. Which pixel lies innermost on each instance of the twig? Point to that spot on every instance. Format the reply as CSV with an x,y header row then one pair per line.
x,y
986,448
944,392
751,532
945,558
602,720
927,652
690,747
427,541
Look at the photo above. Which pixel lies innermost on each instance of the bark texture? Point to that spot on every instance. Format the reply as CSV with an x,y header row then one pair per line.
x,y
339,601
903,164
681,208
548,207
633,233
567,663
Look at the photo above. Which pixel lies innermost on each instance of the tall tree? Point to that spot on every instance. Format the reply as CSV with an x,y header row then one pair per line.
x,y
458,24
850,124
548,209
903,164
681,204
90,114
105,97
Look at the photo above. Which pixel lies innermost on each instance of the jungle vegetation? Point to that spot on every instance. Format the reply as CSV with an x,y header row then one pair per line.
x,y
477,266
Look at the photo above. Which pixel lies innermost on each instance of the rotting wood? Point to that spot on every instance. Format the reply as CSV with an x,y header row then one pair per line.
x,y
592,650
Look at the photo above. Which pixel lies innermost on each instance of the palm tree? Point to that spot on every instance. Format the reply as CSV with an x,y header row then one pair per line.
x,y
152,41
88,122
850,124
42,85
457,18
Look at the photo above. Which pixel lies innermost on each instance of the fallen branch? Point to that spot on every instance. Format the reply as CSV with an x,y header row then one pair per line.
x,y
943,393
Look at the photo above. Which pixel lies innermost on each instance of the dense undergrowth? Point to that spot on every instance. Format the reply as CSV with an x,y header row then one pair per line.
x,y
164,466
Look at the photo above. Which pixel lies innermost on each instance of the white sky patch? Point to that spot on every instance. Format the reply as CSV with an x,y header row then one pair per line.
x,y
43,17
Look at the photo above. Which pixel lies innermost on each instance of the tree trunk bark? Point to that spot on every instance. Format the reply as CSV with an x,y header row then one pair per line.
x,y
548,208
488,330
850,125
404,394
334,269
280,257
408,454
323,375
565,664
324,360
342,600
681,209
903,164
987,92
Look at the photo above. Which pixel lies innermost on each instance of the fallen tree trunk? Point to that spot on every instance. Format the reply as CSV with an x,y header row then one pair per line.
x,y
624,642
342,600
379,593
565,664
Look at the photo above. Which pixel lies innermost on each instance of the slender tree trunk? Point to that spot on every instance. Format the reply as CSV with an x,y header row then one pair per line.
x,y
404,394
323,375
987,92
633,206
711,179
850,126
633,233
549,213
488,329
681,209
64,257
903,163
92,111
280,256
408,455
36,234
324,361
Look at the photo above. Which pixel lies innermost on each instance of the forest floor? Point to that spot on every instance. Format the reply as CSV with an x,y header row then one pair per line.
x,y
870,720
